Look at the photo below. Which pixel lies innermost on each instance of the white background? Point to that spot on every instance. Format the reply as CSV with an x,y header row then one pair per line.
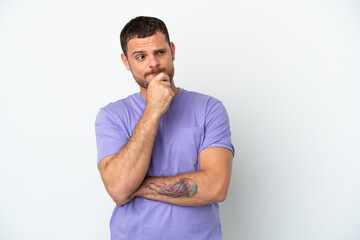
x,y
288,73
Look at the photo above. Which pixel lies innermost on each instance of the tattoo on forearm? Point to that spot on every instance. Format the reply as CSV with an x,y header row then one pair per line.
x,y
185,187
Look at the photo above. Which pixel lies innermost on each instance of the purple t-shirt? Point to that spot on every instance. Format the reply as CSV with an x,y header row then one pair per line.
x,y
192,123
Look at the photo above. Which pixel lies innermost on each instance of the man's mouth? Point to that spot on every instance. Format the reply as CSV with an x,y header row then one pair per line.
x,y
154,72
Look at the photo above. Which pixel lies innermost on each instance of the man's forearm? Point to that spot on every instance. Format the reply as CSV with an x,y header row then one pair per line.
x,y
182,187
209,185
191,189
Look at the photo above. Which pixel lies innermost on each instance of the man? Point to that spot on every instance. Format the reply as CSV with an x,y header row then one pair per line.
x,y
164,154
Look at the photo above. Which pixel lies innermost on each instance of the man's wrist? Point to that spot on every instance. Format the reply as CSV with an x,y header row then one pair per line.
x,y
150,113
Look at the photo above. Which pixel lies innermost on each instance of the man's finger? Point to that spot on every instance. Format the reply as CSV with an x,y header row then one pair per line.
x,y
162,77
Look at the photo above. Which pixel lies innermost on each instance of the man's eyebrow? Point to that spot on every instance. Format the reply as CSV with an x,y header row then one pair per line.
x,y
160,50
143,52
138,52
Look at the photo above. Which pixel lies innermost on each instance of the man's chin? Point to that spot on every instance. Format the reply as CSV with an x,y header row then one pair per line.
x,y
148,79
142,84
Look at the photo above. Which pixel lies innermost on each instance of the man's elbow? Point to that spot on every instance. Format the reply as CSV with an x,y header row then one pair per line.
x,y
221,195
217,194
119,194
221,190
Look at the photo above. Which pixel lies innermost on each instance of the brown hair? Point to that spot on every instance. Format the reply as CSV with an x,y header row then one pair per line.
x,y
142,27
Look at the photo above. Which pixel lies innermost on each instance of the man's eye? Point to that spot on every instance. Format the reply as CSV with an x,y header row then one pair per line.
x,y
141,57
161,52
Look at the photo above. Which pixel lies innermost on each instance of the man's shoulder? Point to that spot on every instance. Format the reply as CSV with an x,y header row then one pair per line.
x,y
122,104
201,98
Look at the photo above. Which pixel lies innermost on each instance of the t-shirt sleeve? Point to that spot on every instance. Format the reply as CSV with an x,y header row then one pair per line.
x,y
110,138
217,127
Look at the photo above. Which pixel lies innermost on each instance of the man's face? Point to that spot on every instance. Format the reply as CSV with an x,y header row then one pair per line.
x,y
147,57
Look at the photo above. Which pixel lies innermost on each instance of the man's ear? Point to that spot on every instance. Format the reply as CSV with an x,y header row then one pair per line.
x,y
125,61
172,47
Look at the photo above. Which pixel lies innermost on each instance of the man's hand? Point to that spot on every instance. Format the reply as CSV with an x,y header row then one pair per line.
x,y
159,94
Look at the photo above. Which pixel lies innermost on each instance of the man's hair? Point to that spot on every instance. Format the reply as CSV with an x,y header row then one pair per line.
x,y
142,27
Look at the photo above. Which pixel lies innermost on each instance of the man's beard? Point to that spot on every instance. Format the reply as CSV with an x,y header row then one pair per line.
x,y
142,82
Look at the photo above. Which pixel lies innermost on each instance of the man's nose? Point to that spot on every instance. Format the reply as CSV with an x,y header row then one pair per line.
x,y
153,62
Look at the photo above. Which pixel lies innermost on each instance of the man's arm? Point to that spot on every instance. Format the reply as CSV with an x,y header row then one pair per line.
x,y
207,186
122,173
